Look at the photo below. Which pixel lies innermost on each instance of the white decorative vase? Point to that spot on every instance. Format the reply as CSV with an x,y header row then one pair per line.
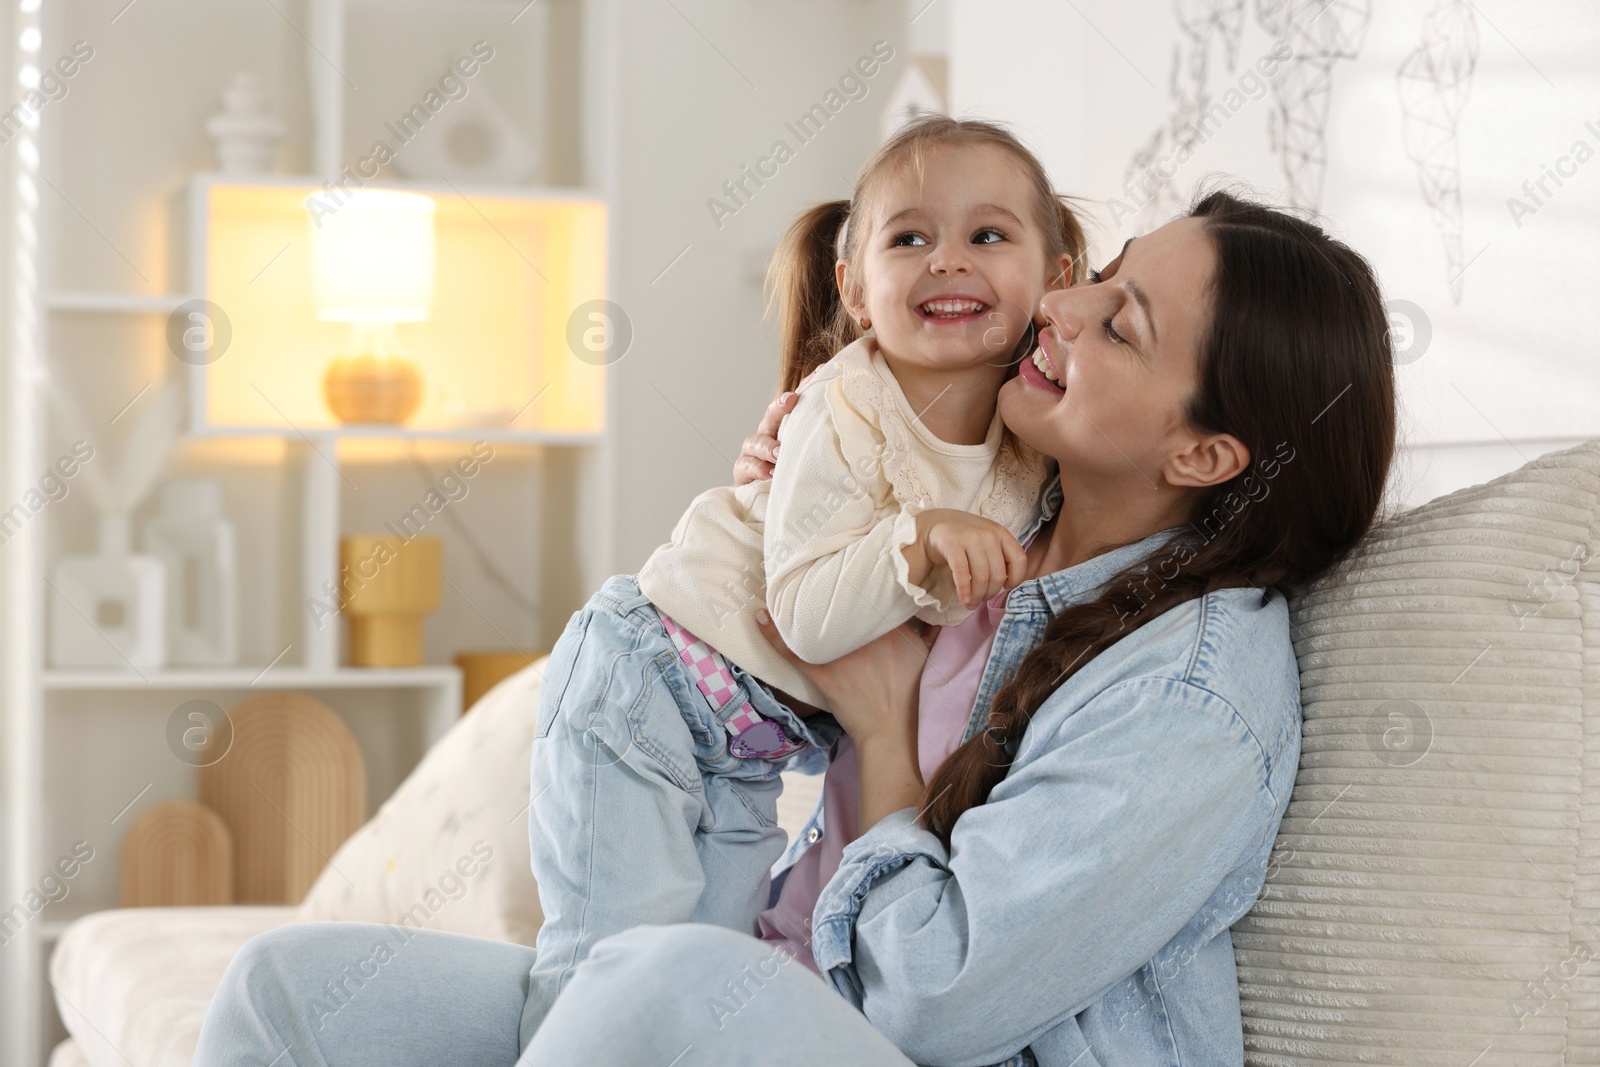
x,y
110,611
246,132
196,544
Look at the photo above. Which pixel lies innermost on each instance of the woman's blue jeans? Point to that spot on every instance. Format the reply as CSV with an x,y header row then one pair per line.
x,y
686,995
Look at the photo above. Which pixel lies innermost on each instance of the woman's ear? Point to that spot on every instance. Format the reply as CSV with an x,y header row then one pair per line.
x,y
1208,460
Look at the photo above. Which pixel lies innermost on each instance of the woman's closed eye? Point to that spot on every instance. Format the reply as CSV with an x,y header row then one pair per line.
x,y
1111,331
1094,276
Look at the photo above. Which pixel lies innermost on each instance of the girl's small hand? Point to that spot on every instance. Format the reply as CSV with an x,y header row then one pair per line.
x,y
760,450
873,690
983,557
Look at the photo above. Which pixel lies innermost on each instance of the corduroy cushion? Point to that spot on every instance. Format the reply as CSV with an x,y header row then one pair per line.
x,y
1435,892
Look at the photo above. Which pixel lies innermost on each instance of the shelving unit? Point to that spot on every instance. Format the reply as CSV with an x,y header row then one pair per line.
x,y
246,678
118,254
114,303
384,432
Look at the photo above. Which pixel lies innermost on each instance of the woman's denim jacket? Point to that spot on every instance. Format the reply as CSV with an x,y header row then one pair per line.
x,y
1081,916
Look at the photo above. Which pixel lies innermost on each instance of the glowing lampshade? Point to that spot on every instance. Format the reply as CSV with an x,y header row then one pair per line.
x,y
372,257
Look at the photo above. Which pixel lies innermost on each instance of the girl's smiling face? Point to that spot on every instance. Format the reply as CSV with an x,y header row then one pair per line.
x,y
954,263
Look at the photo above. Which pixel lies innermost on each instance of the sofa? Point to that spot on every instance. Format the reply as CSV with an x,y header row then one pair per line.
x,y
1434,897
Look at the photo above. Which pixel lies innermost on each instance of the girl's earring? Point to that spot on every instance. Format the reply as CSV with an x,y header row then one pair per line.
x,y
865,323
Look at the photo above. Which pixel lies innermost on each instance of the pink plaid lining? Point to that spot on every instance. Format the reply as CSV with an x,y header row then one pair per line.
x,y
711,674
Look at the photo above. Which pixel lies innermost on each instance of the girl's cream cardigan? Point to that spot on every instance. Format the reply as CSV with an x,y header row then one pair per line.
x,y
818,545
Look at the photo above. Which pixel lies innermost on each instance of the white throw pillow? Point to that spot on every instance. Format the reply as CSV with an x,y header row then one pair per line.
x,y
1434,897
449,849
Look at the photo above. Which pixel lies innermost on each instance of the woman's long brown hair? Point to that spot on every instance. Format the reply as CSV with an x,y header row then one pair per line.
x,y
813,323
1297,365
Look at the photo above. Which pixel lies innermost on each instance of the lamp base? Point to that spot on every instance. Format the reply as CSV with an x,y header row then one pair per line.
x,y
368,388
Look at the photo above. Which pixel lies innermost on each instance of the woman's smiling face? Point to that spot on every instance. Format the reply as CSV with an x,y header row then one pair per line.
x,y
1126,350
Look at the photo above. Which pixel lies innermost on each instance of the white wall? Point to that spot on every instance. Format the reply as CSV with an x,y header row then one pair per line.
x,y
704,93
1511,371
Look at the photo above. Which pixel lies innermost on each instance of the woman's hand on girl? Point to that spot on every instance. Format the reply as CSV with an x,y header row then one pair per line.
x,y
984,559
760,449
873,690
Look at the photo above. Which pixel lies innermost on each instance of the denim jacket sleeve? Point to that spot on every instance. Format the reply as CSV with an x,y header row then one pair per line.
x,y
1116,823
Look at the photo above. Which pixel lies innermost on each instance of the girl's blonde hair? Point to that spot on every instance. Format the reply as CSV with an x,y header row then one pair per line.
x,y
813,323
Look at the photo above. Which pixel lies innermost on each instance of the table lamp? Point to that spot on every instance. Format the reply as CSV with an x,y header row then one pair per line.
x,y
372,266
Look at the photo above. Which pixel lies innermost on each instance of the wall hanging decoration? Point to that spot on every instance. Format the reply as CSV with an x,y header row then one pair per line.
x,y
1321,33
1434,82
1314,35
109,609
387,586
292,788
246,131
196,545
1188,101
178,854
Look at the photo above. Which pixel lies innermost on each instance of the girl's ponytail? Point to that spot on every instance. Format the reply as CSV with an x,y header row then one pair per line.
x,y
812,321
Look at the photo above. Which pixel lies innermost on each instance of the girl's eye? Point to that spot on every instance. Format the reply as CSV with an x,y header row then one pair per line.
x,y
1111,331
988,236
909,240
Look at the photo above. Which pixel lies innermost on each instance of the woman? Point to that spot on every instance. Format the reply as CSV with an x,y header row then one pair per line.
x,y
1060,891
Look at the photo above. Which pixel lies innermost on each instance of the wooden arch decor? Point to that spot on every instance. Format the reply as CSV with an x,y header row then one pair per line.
x,y
292,787
177,855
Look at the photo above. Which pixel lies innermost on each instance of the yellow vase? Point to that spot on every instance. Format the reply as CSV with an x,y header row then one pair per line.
x,y
387,587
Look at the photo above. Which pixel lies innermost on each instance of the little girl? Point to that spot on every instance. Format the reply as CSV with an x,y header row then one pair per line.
x,y
665,717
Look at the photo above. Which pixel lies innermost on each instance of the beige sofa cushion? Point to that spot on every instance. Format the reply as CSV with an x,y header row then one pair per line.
x,y
132,985
449,848
1435,893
